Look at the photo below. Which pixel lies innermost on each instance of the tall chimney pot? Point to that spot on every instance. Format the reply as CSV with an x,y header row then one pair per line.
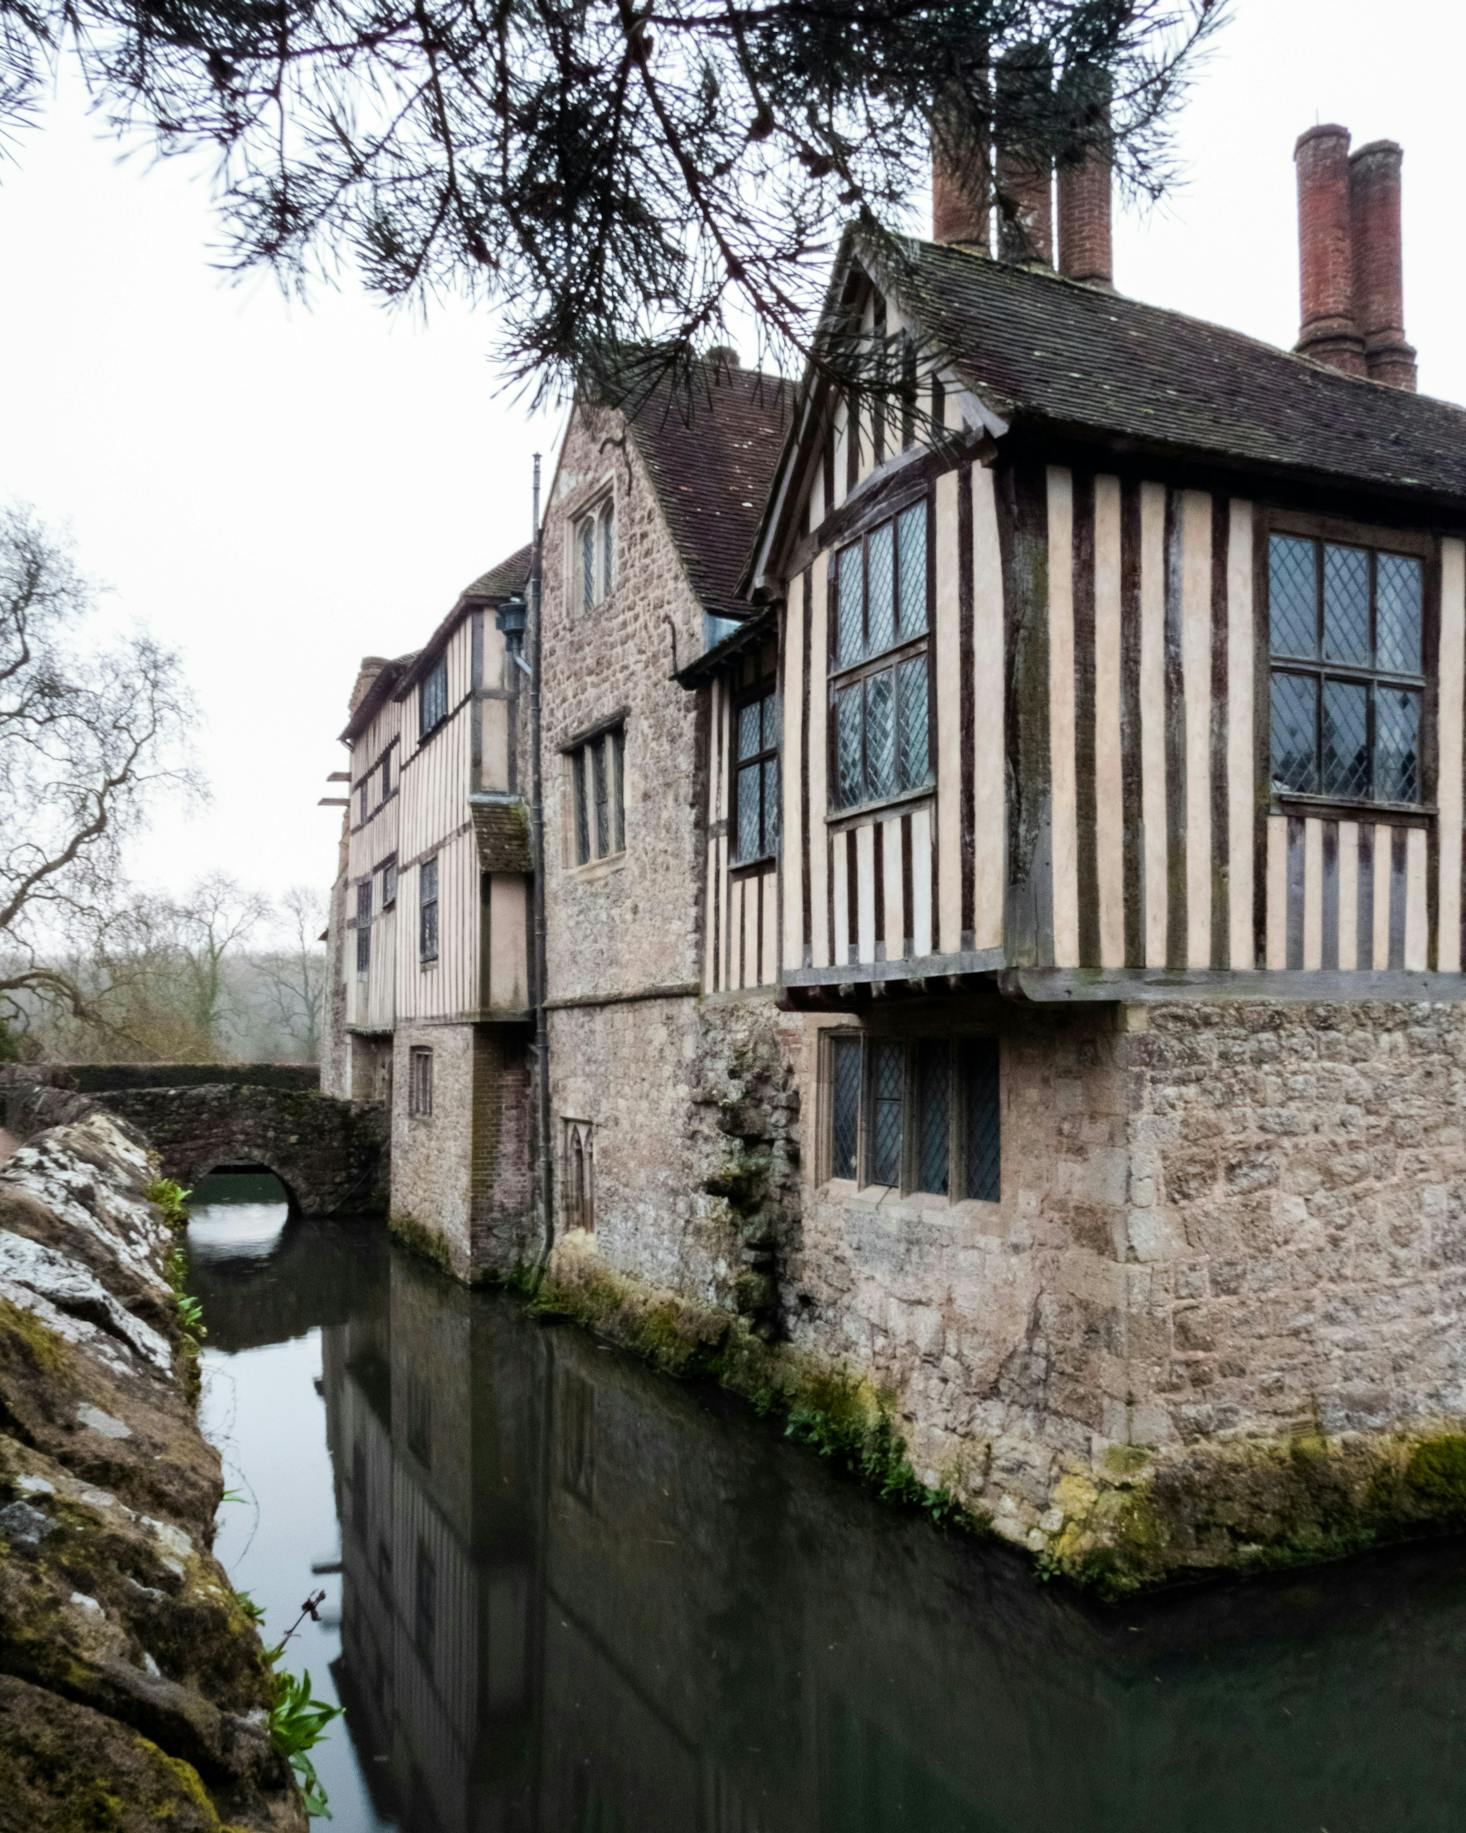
x,y
961,168
1024,178
1328,331
1379,283
1085,245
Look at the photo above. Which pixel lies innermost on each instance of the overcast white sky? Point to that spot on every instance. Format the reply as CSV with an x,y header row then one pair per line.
x,y
277,489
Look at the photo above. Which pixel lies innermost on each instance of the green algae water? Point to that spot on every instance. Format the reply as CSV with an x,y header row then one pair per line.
x,y
565,1595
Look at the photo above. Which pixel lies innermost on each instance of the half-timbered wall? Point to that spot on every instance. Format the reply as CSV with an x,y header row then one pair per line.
x,y
372,840
742,926
1146,830
914,886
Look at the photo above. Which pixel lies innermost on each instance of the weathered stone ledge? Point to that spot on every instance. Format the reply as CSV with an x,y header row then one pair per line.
x,y
134,1690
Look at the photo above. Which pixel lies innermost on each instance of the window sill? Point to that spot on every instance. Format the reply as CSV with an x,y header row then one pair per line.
x,y
874,1196
751,868
427,967
838,818
1297,801
597,868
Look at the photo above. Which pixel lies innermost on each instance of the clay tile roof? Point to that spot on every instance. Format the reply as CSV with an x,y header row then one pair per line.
x,y
505,579
1035,346
712,459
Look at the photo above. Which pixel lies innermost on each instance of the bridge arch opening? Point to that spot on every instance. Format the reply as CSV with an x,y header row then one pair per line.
x,y
241,1181
239,1209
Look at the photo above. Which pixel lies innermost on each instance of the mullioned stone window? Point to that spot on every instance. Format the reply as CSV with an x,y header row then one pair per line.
x,y
915,1114
420,1082
598,795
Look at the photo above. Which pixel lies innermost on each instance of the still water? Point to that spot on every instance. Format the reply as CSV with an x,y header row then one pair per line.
x,y
564,1595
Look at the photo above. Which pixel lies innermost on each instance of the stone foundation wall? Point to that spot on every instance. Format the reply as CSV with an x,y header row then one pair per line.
x,y
1296,1234
693,1119
461,1175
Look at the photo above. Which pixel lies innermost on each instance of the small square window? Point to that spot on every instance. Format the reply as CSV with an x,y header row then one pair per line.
x,y
389,884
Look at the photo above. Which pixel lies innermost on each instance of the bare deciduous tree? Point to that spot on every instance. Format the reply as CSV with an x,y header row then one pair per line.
x,y
294,974
89,732
617,175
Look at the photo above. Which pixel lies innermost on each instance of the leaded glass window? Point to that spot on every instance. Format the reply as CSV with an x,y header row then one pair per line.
x,y
433,697
427,910
597,773
595,553
363,925
879,664
1345,626
755,824
915,1114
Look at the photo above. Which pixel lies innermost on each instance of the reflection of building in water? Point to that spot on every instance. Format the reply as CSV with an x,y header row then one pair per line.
x,y
576,1601
579,1599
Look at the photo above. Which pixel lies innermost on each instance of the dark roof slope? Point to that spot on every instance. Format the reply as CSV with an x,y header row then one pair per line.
x,y
505,579
378,690
1038,347
712,459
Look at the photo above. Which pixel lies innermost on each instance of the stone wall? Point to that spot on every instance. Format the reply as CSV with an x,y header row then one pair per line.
x,y
694,1162
632,921
133,1691
461,1175
1296,1232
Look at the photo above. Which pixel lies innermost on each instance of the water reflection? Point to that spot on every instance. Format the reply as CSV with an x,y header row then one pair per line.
x,y
575,1598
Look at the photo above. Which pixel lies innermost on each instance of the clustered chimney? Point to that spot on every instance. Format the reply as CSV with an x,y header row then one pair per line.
x,y
1350,267
1023,178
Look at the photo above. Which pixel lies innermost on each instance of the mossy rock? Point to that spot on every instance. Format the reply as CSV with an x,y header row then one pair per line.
x,y
67,1769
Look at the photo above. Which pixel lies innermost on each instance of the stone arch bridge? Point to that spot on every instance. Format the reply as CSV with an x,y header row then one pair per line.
x,y
331,1156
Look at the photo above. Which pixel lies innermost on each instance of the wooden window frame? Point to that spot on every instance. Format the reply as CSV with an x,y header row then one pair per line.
x,y
1328,531
424,904
437,673
958,1048
364,929
420,1082
840,676
766,689
388,870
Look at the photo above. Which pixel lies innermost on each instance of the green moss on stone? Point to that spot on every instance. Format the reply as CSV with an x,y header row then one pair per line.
x,y
421,1240
841,1416
1436,1473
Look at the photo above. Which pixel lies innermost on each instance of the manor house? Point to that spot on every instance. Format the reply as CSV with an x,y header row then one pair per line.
x,y
1002,869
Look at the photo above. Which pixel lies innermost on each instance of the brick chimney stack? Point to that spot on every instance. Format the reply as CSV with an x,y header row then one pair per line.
x,y
1327,328
1379,279
1024,180
961,169
1085,246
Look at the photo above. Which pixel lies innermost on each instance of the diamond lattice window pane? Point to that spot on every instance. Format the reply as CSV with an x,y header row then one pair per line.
x,y
770,704
749,729
913,760
880,733
1345,739
849,764
1346,604
1397,744
750,827
911,548
1295,732
982,1120
1293,595
887,1112
582,809
845,1105
850,644
880,563
771,805
1397,612
587,563
932,1119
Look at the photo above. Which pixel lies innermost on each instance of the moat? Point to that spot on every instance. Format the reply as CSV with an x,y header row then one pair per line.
x,y
565,1595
